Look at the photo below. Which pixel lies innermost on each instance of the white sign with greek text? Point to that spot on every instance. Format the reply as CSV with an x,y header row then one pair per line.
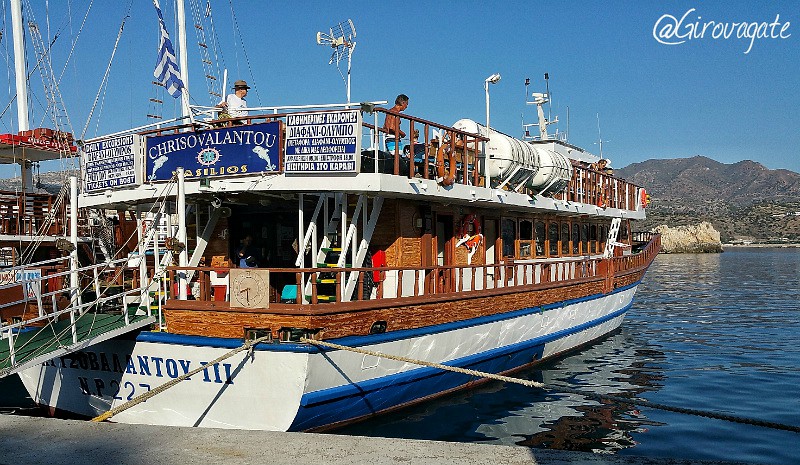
x,y
323,142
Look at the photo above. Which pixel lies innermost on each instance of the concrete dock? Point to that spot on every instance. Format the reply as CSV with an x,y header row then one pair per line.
x,y
27,440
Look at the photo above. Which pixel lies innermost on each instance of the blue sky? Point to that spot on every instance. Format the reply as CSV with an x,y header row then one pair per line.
x,y
703,97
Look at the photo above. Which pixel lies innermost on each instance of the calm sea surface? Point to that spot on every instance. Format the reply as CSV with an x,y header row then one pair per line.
x,y
711,332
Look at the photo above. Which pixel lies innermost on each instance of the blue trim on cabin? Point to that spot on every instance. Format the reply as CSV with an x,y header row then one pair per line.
x,y
356,341
355,400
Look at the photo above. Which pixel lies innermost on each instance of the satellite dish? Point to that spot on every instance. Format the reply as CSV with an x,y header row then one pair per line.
x,y
341,39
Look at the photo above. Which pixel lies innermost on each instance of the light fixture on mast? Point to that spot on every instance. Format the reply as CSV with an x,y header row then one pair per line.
x,y
341,39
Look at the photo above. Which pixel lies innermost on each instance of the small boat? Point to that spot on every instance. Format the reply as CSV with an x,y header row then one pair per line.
x,y
307,226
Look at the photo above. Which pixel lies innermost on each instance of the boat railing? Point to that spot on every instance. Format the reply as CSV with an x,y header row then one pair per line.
x,y
643,237
418,154
598,188
428,150
413,157
640,259
327,284
27,214
395,282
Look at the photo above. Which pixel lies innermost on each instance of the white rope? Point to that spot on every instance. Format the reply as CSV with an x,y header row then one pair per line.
x,y
465,371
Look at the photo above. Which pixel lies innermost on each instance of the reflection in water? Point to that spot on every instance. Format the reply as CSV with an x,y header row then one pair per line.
x,y
718,332
497,413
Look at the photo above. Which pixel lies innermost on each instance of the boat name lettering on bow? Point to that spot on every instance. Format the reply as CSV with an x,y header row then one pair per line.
x,y
141,365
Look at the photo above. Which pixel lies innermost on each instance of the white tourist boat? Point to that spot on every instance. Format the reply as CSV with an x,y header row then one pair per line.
x,y
304,226
490,278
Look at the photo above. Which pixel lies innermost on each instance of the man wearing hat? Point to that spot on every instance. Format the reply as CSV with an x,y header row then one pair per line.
x,y
235,103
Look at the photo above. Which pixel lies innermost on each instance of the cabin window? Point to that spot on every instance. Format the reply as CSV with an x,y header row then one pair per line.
x,y
552,236
623,230
540,238
584,238
576,238
565,238
593,238
525,238
508,229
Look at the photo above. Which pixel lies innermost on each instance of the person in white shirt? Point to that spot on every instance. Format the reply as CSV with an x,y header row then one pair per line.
x,y
235,103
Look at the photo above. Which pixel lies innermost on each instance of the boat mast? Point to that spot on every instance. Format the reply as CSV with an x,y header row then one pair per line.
x,y
180,11
19,65
22,87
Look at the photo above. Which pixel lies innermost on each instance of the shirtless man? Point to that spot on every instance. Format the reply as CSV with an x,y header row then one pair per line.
x,y
392,123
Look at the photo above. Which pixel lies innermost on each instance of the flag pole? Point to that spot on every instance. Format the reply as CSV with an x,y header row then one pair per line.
x,y
180,11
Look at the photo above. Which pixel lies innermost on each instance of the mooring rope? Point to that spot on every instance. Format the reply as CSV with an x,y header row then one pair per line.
x,y
158,390
536,384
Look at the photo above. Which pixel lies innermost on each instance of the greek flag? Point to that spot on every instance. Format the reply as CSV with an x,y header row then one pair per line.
x,y
166,71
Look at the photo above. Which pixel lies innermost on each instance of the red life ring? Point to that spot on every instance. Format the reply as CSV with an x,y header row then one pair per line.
x,y
476,225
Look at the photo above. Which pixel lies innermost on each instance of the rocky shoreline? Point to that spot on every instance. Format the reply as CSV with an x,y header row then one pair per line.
x,y
700,238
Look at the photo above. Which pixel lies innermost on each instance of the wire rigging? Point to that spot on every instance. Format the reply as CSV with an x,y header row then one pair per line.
x,y
104,81
238,32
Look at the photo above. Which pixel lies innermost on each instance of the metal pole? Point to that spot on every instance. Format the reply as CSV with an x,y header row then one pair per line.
x,y
487,183
19,65
21,75
301,236
183,258
141,225
183,56
74,282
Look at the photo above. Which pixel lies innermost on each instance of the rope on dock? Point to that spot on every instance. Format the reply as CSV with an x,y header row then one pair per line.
x,y
158,390
536,384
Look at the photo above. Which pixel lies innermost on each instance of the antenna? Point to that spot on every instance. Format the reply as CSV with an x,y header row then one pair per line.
x,y
600,137
539,99
340,39
549,99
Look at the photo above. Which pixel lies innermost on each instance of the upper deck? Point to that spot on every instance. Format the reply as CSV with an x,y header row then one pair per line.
x,y
340,150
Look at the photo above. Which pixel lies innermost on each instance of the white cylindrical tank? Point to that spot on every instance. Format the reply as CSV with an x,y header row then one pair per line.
x,y
554,174
507,156
516,161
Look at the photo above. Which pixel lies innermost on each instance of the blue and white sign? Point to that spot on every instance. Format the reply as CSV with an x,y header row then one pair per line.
x,y
30,278
111,163
324,142
217,152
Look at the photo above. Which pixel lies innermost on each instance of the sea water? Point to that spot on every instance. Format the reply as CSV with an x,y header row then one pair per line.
x,y
716,332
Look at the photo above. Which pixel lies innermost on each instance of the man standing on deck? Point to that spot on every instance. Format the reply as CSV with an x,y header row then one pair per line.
x,y
235,103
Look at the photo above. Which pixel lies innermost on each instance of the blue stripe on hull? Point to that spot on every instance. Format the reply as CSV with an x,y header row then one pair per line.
x,y
356,400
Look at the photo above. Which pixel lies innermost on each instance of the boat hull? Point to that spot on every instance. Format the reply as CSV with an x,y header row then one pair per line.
x,y
299,387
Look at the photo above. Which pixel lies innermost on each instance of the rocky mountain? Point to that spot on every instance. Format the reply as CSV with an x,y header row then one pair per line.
x,y
743,200
45,183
